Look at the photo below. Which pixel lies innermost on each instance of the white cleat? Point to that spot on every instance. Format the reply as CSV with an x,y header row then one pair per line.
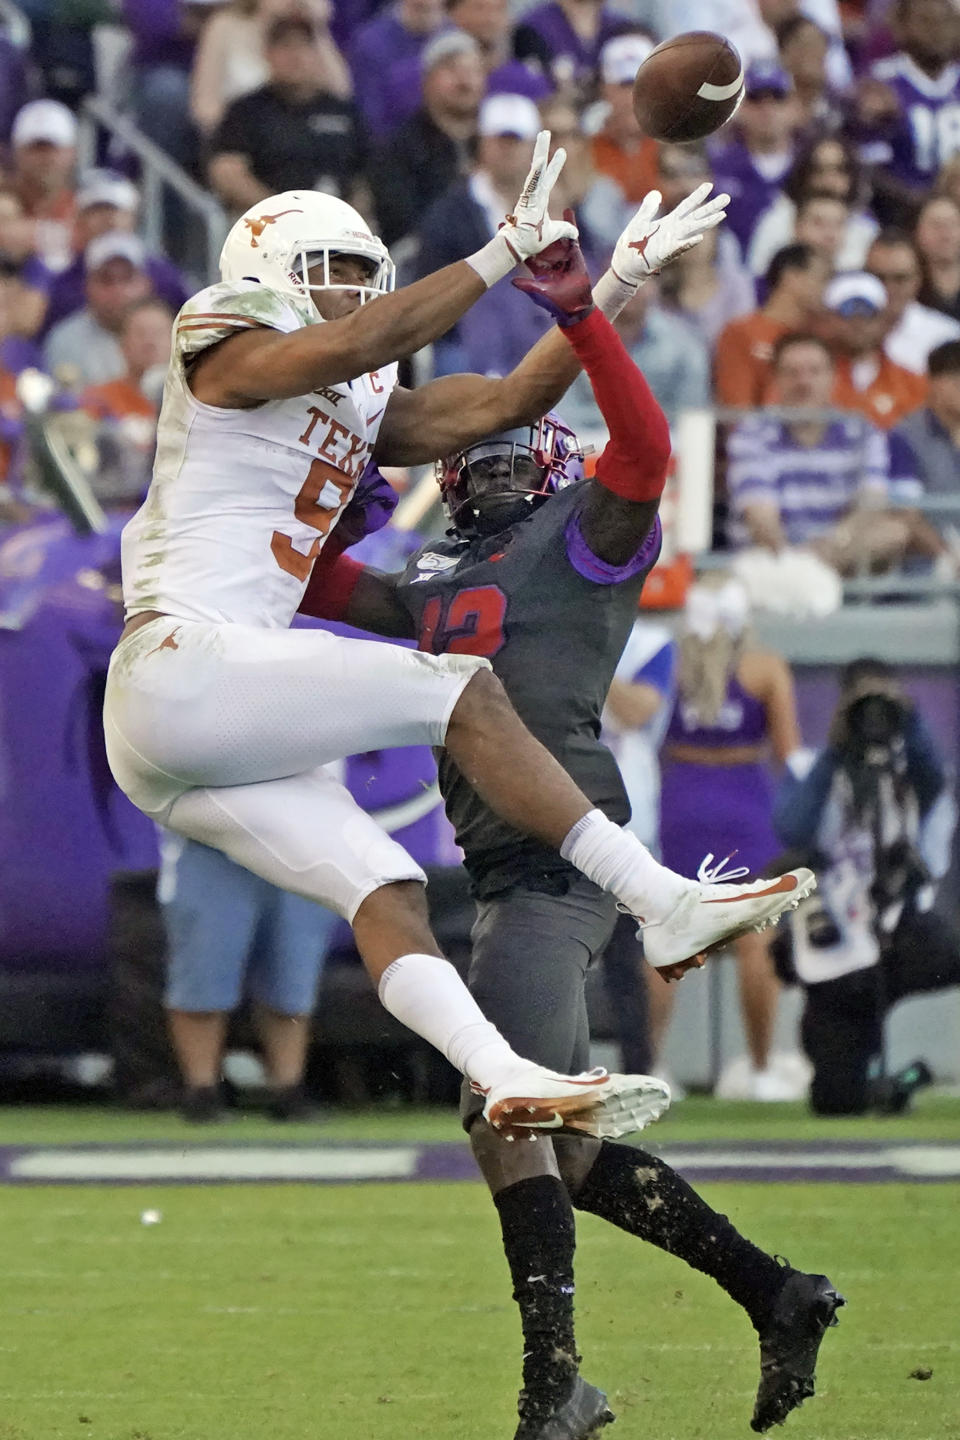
x,y
712,913
595,1103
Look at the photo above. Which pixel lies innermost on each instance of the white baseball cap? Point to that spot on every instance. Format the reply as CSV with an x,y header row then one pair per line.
x,y
845,291
106,187
115,245
509,115
621,58
44,120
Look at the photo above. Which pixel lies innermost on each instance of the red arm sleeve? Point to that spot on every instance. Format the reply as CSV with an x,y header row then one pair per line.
x,y
634,461
332,582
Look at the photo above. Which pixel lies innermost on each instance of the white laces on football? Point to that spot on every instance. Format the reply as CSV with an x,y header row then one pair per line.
x,y
710,874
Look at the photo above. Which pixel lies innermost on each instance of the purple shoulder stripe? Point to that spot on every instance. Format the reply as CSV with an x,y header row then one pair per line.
x,y
591,567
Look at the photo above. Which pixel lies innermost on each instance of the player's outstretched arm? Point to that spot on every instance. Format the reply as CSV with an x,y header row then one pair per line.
x,y
622,502
454,412
264,364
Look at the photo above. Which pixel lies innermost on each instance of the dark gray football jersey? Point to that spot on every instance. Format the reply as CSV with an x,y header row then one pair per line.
x,y
553,621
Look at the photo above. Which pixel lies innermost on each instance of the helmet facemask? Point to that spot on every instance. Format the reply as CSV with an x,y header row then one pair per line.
x,y
494,484
381,270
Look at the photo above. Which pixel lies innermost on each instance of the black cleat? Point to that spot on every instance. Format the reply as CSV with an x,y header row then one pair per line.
x,y
202,1104
290,1102
802,1313
583,1415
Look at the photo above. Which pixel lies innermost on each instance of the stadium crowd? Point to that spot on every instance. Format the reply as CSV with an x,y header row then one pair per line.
x,y
834,286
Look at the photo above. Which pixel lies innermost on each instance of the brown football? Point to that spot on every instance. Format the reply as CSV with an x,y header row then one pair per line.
x,y
688,87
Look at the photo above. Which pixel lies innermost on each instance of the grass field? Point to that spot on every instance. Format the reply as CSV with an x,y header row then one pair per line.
x,y
294,1312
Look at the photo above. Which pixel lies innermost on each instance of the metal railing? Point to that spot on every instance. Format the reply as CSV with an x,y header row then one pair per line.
x,y
158,172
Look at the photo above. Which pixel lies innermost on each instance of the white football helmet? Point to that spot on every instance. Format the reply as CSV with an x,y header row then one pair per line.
x,y
277,241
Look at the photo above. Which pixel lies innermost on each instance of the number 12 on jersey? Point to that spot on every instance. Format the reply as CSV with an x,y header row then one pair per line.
x,y
468,623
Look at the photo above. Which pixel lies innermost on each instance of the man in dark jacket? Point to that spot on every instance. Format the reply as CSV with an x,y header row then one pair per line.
x,y
873,817
435,146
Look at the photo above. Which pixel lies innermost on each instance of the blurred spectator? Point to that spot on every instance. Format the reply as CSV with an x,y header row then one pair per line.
x,y
464,218
751,24
938,241
105,202
743,363
516,63
917,329
229,933
127,408
85,348
873,816
635,718
44,152
231,60
911,110
17,350
574,32
601,211
803,49
397,34
291,133
822,223
933,433
164,33
620,149
26,301
675,361
435,146
707,296
13,85
348,16
733,711
948,181
751,168
866,378
708,285
790,482
740,20
145,338
826,168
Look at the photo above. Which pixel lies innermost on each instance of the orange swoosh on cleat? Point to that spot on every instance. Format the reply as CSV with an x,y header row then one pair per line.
x,y
784,885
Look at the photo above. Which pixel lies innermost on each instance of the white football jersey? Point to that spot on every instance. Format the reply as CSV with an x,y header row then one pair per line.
x,y
241,501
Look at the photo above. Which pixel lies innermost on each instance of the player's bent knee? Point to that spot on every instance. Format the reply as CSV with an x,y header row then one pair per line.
x,y
394,900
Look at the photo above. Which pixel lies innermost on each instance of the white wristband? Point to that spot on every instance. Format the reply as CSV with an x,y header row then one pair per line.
x,y
611,294
495,260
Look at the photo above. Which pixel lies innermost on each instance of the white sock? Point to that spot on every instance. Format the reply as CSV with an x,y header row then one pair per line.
x,y
427,995
617,861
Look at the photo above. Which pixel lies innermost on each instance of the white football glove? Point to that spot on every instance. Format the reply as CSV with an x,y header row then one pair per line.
x,y
529,229
649,242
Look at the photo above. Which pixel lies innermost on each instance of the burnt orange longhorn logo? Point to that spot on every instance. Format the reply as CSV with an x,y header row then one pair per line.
x,y
257,225
168,644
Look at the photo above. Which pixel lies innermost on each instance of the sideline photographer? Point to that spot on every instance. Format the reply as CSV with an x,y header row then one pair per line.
x,y
873,817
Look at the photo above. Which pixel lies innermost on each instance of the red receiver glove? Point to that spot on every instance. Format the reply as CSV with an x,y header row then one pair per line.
x,y
558,280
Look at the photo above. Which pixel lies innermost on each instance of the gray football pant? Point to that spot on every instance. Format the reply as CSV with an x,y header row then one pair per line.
x,y
528,971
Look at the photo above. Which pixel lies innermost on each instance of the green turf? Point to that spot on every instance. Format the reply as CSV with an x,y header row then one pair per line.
x,y
260,1313
383,1312
934,1118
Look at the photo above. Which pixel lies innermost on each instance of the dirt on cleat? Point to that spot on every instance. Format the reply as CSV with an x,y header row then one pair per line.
x,y
804,1310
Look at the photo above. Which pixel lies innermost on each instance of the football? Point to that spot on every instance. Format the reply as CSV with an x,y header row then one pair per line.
x,y
688,87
